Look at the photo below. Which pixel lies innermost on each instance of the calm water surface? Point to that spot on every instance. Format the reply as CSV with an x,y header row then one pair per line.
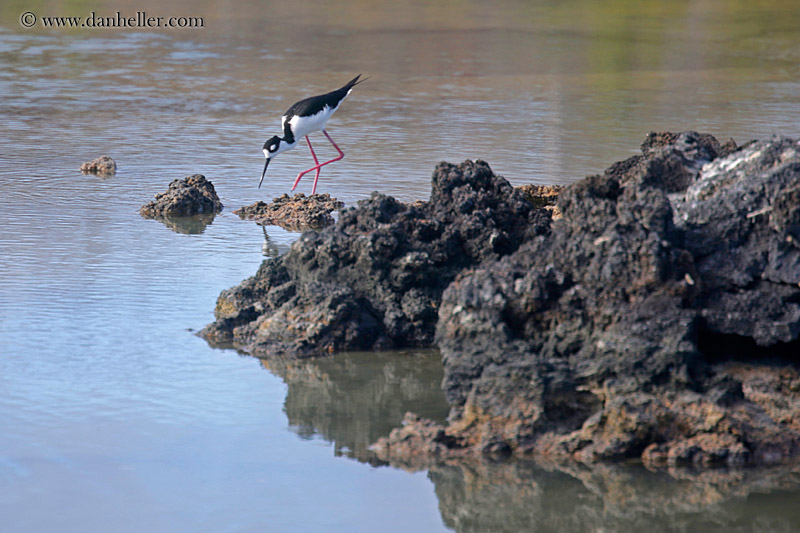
x,y
114,416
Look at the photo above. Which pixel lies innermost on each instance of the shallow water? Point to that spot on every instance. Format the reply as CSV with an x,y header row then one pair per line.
x,y
116,417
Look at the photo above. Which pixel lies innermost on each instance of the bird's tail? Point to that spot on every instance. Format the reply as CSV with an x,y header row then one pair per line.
x,y
355,81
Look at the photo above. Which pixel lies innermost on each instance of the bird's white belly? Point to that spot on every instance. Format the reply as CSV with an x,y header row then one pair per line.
x,y
302,126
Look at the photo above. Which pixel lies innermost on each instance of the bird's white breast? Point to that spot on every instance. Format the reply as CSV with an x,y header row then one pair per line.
x,y
302,126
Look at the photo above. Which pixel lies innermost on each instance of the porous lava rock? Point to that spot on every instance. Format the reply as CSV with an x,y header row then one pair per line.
x,y
374,279
545,196
293,213
102,165
193,195
658,319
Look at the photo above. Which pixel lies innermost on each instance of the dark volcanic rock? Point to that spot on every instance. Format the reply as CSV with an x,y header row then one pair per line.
x,y
658,318
741,219
102,165
612,335
374,280
608,336
192,195
293,213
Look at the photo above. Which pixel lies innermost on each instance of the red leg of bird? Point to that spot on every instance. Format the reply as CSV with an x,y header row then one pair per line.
x,y
318,165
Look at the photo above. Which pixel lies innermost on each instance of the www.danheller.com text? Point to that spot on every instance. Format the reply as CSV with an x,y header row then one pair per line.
x,y
141,19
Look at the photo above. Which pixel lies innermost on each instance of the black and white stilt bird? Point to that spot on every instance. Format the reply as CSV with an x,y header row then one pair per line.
x,y
304,117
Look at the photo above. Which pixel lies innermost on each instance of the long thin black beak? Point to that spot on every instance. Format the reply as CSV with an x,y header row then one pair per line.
x,y
266,164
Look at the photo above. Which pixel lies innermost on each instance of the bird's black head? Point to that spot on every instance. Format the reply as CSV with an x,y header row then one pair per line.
x,y
271,146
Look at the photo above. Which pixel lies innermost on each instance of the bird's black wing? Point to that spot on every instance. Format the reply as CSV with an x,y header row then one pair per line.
x,y
315,104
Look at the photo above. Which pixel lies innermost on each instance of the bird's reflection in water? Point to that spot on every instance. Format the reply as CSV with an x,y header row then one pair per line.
x,y
269,248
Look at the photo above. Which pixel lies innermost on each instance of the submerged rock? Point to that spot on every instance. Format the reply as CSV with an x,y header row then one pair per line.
x,y
192,195
374,279
293,213
102,165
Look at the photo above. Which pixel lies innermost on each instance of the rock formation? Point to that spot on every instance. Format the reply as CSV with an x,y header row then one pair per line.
x,y
103,165
192,195
293,213
374,280
657,318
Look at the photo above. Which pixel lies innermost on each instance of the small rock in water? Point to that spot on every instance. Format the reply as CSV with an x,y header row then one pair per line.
x,y
297,213
192,195
102,165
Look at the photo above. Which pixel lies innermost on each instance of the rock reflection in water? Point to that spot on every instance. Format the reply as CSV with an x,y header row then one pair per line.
x,y
523,496
191,225
352,399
